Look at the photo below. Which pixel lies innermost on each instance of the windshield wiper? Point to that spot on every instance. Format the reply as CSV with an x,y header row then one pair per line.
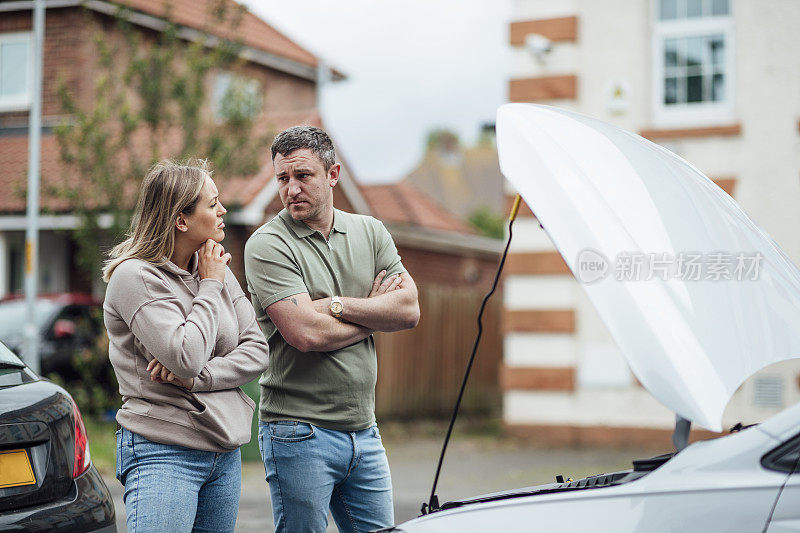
x,y
510,495
592,482
11,364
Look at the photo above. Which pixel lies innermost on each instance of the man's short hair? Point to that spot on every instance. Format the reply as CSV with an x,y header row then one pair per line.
x,y
299,137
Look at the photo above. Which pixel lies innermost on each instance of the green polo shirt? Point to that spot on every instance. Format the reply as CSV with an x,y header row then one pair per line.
x,y
334,390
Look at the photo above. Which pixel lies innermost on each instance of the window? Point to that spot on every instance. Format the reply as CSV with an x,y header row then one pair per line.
x,y
236,98
15,71
692,62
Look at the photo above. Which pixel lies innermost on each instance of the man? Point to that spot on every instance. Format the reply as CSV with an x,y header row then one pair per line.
x,y
322,282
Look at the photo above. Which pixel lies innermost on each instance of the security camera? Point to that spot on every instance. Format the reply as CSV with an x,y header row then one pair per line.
x,y
538,45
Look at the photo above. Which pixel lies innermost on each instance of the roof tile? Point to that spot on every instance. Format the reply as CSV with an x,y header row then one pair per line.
x,y
405,204
252,31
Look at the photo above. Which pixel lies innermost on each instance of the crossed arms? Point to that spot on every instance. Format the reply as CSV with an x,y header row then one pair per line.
x,y
309,326
182,345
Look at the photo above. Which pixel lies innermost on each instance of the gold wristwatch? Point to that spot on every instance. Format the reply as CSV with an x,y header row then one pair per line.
x,y
336,307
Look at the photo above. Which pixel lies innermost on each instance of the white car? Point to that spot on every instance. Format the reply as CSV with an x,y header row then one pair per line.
x,y
601,192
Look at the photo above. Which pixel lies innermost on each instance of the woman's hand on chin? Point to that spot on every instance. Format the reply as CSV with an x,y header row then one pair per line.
x,y
212,261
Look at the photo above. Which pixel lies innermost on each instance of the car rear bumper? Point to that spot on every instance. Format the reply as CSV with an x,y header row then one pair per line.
x,y
87,507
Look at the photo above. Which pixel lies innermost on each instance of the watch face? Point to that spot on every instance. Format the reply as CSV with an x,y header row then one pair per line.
x,y
336,308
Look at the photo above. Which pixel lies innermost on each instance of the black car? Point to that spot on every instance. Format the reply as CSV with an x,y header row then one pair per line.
x,y
67,323
47,479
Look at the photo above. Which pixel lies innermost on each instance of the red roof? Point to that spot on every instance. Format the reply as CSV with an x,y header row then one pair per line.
x,y
252,31
405,204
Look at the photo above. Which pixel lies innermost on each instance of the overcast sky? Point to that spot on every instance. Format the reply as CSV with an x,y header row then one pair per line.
x,y
412,66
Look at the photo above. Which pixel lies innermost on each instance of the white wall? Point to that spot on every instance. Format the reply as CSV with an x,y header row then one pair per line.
x,y
614,46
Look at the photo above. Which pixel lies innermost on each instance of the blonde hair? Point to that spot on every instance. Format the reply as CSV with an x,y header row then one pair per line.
x,y
169,189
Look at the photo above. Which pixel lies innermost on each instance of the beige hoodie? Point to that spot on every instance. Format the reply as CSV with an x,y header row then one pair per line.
x,y
200,329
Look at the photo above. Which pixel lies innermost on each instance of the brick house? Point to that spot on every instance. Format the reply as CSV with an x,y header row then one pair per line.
x,y
702,79
285,73
451,264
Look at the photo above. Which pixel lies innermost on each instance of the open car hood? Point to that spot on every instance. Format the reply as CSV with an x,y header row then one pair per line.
x,y
611,200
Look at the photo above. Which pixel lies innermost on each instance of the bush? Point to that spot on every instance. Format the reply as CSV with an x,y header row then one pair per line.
x,y
489,223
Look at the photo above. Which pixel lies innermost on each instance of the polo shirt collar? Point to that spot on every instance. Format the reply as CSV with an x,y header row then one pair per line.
x,y
339,221
301,230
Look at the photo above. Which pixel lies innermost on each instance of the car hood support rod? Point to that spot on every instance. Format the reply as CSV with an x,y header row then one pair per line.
x,y
433,501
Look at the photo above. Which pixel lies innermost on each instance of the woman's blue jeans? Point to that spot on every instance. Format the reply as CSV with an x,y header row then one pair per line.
x,y
311,469
177,489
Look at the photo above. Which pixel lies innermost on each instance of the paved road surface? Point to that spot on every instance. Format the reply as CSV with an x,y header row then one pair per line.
x,y
474,465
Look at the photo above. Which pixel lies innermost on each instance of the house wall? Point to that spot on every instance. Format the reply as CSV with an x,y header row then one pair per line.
x,y
70,56
281,93
66,45
452,269
565,377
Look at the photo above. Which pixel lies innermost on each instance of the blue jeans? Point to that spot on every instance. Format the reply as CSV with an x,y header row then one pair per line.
x,y
311,469
177,489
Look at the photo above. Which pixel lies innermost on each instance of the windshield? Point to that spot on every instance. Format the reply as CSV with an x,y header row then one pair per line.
x,y
13,317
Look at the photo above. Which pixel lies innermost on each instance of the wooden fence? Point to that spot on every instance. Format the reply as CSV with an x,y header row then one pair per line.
x,y
420,370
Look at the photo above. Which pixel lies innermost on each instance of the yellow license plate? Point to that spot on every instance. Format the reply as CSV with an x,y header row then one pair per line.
x,y
15,469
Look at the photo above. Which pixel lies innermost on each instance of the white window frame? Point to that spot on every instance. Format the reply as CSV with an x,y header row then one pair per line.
x,y
700,113
20,102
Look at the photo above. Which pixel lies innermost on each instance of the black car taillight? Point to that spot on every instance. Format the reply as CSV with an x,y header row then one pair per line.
x,y
82,457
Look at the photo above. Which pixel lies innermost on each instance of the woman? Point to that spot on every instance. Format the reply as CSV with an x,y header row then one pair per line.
x,y
183,338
